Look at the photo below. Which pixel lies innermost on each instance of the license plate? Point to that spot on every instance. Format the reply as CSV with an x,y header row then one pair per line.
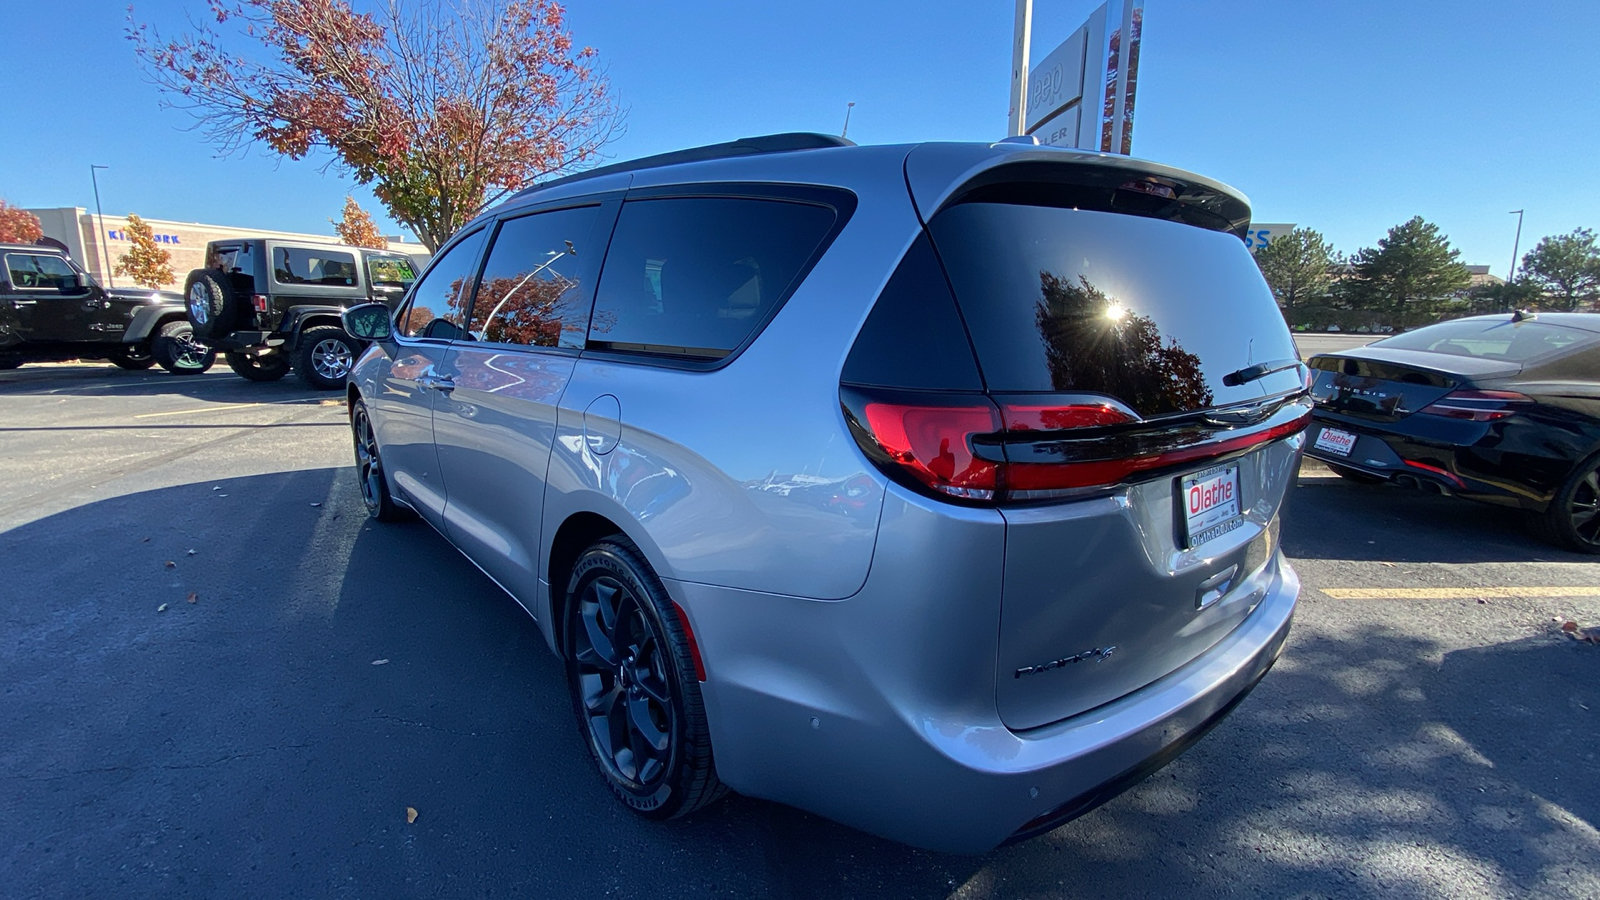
x,y
1210,502
1332,440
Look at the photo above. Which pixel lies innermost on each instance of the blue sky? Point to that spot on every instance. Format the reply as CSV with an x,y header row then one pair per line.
x,y
1346,116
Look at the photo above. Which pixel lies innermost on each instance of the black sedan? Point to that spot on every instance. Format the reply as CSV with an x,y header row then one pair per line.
x,y
1503,409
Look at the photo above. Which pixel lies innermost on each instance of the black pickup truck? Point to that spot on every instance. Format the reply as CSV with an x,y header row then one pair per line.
x,y
270,305
52,310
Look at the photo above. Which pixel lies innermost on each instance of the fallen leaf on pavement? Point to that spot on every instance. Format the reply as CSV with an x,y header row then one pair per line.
x,y
411,814
192,597
316,504
1590,634
170,564
161,608
1569,626
189,553
145,541
1390,565
380,662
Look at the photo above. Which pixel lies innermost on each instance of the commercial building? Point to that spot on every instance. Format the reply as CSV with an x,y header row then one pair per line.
x,y
96,242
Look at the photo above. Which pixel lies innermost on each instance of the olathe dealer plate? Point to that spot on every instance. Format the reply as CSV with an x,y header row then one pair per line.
x,y
1210,501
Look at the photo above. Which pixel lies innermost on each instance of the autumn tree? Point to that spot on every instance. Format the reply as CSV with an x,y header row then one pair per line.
x,y
146,262
1299,268
443,107
17,225
356,228
1409,276
1566,269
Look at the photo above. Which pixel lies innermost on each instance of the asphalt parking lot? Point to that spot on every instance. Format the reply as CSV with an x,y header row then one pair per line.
x,y
1428,733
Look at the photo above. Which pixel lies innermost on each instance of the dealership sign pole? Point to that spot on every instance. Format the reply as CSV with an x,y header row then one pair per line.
x,y
1019,67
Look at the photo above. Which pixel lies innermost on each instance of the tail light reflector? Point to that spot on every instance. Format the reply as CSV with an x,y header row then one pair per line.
x,y
1476,406
259,301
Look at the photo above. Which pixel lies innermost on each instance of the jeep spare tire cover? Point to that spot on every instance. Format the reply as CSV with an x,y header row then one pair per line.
x,y
211,303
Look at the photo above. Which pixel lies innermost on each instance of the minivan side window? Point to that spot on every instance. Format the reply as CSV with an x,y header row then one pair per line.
x,y
529,292
693,277
296,265
438,307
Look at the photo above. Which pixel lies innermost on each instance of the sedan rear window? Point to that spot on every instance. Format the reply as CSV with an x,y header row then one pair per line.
x,y
1492,339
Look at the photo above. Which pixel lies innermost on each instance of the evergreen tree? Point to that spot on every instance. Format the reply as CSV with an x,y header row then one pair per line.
x,y
1566,269
1410,276
1298,267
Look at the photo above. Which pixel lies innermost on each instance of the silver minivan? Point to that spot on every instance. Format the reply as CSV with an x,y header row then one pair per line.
x,y
933,489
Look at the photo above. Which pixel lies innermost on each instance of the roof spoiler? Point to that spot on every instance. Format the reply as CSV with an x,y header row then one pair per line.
x,y
769,143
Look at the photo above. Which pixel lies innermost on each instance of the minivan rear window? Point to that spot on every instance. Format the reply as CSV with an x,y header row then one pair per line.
x,y
693,277
1492,339
1151,312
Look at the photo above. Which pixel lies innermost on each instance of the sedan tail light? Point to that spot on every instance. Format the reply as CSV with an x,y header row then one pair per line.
x,y
1477,406
980,449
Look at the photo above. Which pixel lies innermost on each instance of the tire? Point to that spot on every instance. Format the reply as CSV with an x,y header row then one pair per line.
x,y
369,469
258,368
133,357
178,352
212,306
1573,519
1354,475
634,680
324,357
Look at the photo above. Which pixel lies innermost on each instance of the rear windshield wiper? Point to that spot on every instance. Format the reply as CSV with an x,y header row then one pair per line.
x,y
1260,370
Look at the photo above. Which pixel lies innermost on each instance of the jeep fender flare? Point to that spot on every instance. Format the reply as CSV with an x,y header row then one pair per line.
x,y
297,319
146,319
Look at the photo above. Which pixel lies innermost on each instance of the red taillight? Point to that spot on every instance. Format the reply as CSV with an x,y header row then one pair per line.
x,y
970,448
259,301
933,444
1476,406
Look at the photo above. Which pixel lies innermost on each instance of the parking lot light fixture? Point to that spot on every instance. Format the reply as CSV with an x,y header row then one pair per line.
x,y
100,236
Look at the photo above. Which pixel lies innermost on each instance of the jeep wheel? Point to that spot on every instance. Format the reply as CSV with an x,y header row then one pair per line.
x,y
258,368
177,351
133,357
213,307
325,356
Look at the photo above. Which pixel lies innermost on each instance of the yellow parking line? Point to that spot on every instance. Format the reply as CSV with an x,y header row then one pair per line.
x,y
1464,593
185,412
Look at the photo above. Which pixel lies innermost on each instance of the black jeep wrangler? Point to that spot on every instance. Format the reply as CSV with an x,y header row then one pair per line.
x,y
51,310
270,304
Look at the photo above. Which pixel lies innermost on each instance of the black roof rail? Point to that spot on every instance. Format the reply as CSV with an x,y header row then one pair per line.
x,y
767,143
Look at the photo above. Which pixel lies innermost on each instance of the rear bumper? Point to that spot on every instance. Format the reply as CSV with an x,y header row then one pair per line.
x,y
825,707
1416,461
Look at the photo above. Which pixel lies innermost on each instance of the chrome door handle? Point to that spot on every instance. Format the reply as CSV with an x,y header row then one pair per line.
x,y
440,383
25,302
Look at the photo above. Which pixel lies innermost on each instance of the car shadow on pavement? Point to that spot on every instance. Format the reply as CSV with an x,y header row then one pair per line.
x,y
267,739
219,385
1330,518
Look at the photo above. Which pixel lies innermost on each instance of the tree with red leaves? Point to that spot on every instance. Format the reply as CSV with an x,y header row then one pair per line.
x,y
17,225
444,106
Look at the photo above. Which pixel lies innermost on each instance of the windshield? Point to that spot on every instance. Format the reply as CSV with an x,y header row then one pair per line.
x,y
391,272
1491,339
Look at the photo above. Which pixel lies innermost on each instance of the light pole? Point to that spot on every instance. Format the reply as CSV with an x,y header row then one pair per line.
x,y
847,107
100,229
1515,245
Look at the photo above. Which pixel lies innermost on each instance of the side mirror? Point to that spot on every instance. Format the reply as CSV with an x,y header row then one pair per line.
x,y
368,322
81,279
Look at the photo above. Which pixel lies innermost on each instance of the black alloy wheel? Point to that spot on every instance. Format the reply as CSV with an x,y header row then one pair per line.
x,y
369,469
634,685
1573,518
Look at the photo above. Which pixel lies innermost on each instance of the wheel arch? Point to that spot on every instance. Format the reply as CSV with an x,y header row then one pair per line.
x,y
577,533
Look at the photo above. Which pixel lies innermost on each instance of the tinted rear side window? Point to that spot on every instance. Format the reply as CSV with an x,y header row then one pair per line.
x,y
1150,312
330,268
1492,339
694,277
913,337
